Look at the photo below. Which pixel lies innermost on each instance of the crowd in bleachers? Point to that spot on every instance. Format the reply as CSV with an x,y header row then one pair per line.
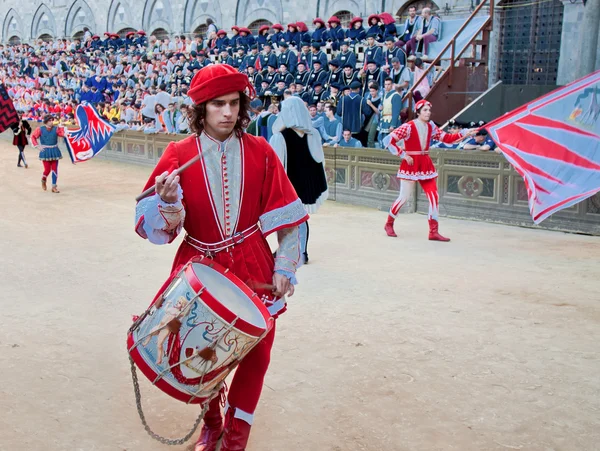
x,y
353,79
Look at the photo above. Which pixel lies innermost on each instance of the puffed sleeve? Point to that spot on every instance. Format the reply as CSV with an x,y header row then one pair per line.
x,y
155,220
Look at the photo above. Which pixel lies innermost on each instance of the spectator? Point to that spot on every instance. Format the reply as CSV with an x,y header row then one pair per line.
x,y
374,102
481,141
348,141
390,109
171,118
412,23
425,34
331,131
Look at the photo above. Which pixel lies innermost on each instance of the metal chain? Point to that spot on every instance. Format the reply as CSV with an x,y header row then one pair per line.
x,y
138,402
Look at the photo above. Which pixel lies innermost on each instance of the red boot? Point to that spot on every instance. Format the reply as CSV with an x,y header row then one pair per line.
x,y
433,232
389,227
236,433
213,427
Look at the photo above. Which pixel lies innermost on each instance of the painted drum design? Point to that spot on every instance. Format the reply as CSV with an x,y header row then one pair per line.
x,y
197,331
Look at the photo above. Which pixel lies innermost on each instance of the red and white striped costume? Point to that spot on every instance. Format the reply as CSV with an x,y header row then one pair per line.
x,y
416,136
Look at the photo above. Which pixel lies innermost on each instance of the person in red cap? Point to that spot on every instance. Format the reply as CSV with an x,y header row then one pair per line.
x,y
320,32
228,203
278,36
416,165
263,36
336,34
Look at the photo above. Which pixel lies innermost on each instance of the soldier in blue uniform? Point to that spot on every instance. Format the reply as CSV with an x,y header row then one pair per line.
x,y
320,33
356,33
346,56
373,51
270,73
314,95
263,36
318,55
335,73
224,57
239,58
287,57
292,35
128,42
222,39
250,59
141,40
392,51
277,37
351,109
305,55
349,75
268,57
301,77
317,74
374,28
284,75
335,34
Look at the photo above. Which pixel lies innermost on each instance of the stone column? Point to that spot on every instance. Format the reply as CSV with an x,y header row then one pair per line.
x,y
579,40
590,28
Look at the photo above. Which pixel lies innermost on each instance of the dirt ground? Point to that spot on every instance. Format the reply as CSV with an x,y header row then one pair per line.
x,y
489,342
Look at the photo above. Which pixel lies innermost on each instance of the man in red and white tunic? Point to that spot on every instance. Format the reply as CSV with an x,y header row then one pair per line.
x,y
228,203
416,165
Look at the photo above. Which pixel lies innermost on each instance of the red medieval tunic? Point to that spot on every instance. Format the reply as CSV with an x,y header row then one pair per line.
x,y
417,136
236,184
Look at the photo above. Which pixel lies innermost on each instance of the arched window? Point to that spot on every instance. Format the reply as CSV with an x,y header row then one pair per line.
x,y
46,37
78,35
14,40
345,17
160,33
254,26
201,30
123,32
419,4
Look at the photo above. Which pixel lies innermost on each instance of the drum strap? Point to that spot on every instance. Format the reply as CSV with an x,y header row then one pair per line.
x,y
213,248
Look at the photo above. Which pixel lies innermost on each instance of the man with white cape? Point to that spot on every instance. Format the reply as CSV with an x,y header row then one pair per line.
x,y
298,145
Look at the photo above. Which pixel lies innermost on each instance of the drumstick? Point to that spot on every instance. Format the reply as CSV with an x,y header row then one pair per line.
x,y
152,189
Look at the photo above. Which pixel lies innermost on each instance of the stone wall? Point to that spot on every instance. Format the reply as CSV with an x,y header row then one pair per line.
x,y
29,19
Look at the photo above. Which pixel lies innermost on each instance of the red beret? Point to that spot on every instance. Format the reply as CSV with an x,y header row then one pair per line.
x,y
277,26
318,20
216,80
333,19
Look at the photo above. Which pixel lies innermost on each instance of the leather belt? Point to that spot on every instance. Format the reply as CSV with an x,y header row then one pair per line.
x,y
417,152
213,248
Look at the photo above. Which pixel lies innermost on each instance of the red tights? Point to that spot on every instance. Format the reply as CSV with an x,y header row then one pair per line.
x,y
407,187
50,166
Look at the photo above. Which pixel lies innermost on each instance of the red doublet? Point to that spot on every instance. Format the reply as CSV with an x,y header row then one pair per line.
x,y
417,139
265,189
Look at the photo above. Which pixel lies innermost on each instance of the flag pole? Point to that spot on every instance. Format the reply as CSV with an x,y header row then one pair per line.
x,y
150,191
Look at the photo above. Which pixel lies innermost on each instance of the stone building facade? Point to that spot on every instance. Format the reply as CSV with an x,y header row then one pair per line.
x,y
27,20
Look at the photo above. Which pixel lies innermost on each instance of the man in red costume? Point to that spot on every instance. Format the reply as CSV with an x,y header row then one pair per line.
x,y
228,203
417,165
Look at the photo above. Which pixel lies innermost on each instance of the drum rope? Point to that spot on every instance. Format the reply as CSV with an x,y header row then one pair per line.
x,y
155,436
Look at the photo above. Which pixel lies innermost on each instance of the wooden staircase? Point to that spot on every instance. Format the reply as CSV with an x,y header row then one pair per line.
x,y
464,75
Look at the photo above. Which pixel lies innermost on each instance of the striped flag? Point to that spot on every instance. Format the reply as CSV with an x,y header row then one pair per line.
x,y
554,143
